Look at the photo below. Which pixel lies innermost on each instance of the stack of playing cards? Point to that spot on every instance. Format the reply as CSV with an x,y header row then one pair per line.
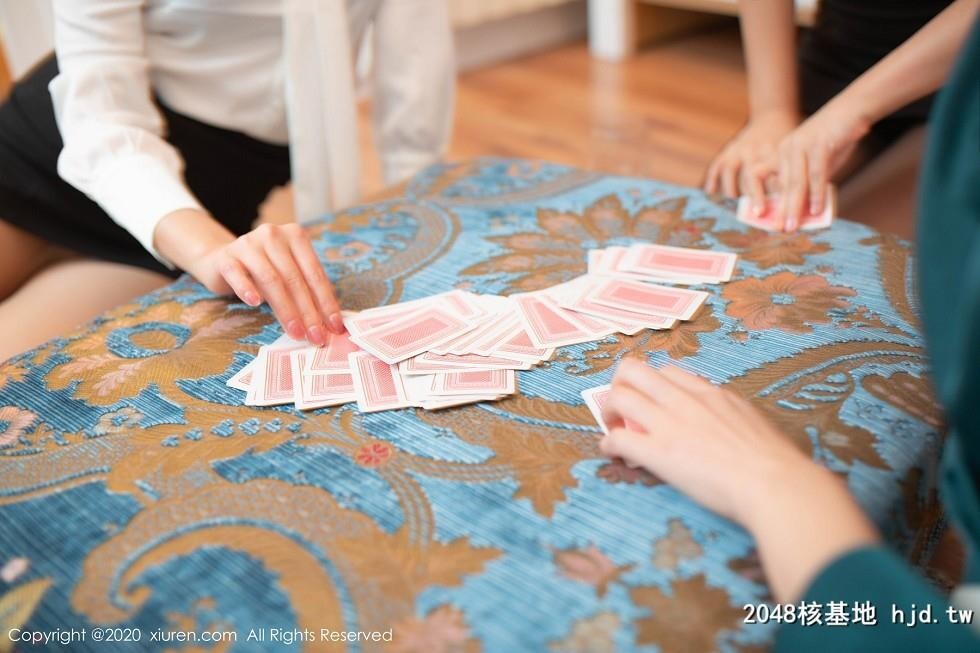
x,y
766,219
459,347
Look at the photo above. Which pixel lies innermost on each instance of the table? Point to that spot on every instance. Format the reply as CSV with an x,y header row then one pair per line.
x,y
143,495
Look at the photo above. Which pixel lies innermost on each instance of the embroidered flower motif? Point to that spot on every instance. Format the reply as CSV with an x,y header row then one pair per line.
x,y
11,373
590,566
441,631
347,252
552,253
682,341
784,301
116,421
767,250
617,471
14,569
596,634
14,422
669,622
678,544
201,339
375,454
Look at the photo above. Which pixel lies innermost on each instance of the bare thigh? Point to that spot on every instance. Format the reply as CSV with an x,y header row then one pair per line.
x,y
883,193
66,294
21,255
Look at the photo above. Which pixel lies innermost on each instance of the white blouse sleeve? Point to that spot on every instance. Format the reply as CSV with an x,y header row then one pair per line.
x,y
415,83
114,150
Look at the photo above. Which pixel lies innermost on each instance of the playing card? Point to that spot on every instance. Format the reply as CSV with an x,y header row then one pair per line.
x,y
611,262
475,361
482,339
412,334
474,382
598,327
272,380
628,322
682,262
377,385
419,391
767,219
647,299
369,320
331,357
429,363
461,303
438,403
516,343
595,399
464,304
549,325
241,379
319,390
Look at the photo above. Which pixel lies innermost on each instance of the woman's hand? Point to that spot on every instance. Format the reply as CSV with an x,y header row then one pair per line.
x,y
274,263
719,450
745,163
810,155
704,440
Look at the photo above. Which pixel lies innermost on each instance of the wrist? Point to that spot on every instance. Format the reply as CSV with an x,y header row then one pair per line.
x,y
858,109
186,236
782,113
778,484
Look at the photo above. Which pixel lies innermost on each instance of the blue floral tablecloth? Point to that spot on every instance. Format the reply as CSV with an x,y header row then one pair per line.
x,y
136,491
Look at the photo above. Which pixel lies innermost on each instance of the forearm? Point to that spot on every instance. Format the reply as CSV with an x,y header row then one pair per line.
x,y
803,520
916,68
185,236
769,42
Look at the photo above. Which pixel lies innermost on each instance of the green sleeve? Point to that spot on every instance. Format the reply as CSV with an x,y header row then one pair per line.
x,y
882,578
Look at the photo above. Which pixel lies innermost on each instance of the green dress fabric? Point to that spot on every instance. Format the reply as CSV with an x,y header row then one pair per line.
x,y
949,285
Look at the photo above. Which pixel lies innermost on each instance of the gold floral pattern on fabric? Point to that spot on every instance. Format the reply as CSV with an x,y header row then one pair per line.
x,y
784,301
554,252
443,630
137,490
590,566
769,250
677,629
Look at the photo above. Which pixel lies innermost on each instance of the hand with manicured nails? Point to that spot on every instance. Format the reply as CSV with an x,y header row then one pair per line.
x,y
809,157
715,447
705,440
272,263
745,163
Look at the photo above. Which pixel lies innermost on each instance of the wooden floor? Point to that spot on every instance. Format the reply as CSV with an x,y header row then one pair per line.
x,y
662,114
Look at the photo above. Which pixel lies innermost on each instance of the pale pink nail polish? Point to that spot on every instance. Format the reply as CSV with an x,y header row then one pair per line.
x,y
295,329
336,323
316,336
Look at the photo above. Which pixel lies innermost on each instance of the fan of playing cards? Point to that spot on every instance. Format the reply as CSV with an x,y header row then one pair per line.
x,y
458,347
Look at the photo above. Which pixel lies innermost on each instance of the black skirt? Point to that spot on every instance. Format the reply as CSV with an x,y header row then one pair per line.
x,y
849,38
230,174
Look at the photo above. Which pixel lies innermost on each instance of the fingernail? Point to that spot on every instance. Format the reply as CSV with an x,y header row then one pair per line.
x,y
316,336
295,329
757,209
252,299
814,207
336,323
